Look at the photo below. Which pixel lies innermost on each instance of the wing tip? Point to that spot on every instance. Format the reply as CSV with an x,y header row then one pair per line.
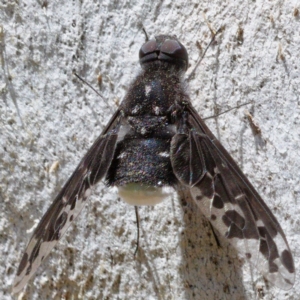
x,y
18,284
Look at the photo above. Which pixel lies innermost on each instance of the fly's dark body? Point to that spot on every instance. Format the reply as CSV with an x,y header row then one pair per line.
x,y
150,115
151,118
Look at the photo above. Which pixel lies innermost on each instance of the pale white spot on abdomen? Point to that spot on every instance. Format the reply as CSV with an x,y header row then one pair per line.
x,y
137,194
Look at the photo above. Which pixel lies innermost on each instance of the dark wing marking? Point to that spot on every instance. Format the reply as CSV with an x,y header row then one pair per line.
x,y
230,202
68,203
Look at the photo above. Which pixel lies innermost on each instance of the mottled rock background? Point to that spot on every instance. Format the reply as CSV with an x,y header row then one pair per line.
x,y
48,120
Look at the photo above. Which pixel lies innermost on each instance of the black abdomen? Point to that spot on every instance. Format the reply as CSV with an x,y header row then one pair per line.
x,y
143,160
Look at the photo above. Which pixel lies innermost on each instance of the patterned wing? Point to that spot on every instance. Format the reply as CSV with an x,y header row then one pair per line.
x,y
68,203
229,201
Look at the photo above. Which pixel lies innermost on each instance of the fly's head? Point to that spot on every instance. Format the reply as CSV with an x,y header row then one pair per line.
x,y
162,52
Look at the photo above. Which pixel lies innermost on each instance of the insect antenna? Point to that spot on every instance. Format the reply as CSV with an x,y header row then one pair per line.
x,y
146,35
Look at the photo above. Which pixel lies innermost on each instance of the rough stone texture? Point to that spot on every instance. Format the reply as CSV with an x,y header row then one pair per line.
x,y
48,116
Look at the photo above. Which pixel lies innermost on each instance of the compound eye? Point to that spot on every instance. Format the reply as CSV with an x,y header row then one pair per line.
x,y
175,50
164,49
148,47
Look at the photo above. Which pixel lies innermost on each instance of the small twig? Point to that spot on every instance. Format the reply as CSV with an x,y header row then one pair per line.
x,y
229,109
138,230
84,81
199,61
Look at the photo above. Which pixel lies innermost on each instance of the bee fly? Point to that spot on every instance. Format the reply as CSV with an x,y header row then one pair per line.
x,y
156,139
